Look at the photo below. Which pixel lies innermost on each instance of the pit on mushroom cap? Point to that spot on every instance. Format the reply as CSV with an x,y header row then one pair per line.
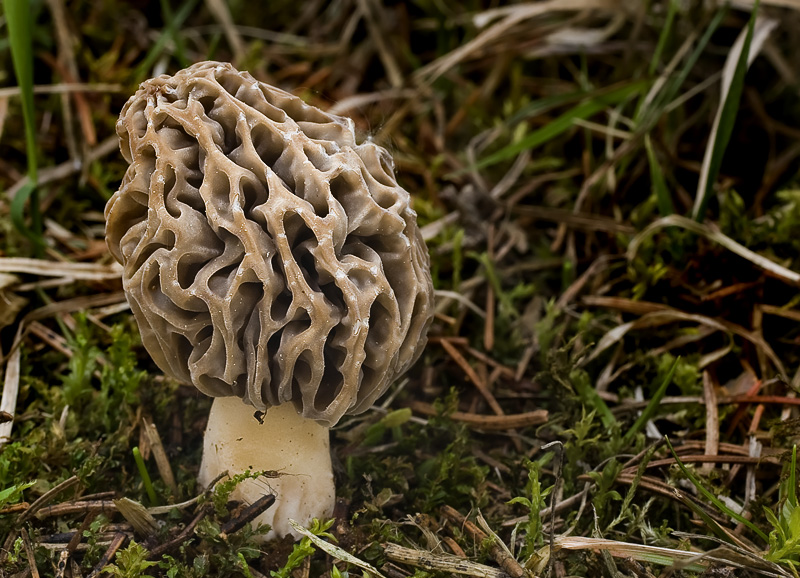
x,y
268,256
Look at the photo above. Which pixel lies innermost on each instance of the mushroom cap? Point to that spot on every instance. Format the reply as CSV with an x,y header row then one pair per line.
x,y
266,254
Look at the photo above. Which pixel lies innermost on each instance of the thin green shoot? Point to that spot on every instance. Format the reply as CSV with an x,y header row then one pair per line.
x,y
652,407
657,182
19,21
535,502
594,104
727,120
792,482
784,539
649,113
148,484
719,504
672,9
625,509
304,548
180,48
170,32
591,398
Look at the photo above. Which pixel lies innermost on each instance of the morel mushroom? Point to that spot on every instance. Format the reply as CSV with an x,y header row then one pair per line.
x,y
271,261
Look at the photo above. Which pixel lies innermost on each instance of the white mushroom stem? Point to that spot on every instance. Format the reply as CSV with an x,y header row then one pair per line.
x,y
296,449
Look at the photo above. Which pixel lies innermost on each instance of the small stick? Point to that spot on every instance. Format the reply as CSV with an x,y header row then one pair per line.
x,y
488,422
712,420
440,562
47,496
488,327
480,355
160,455
473,376
500,554
15,508
8,404
185,534
117,542
67,508
247,515
110,495
706,459
76,539
26,542
454,547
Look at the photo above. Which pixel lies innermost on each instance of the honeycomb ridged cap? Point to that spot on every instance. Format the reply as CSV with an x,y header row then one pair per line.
x,y
266,254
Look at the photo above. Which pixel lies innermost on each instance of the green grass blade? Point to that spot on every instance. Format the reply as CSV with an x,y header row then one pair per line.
x,y
20,32
592,399
551,130
543,105
726,118
170,31
720,505
180,49
663,37
17,211
658,184
148,484
649,114
792,481
652,407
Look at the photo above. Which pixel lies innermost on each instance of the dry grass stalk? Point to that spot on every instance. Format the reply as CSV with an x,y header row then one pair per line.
x,y
440,562
488,422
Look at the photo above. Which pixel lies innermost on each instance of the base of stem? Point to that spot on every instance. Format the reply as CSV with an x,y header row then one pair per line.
x,y
294,450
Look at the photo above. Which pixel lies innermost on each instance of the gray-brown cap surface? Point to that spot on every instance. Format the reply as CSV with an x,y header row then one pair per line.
x,y
266,253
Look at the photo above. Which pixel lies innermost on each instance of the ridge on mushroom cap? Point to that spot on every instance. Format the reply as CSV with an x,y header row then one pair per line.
x,y
266,253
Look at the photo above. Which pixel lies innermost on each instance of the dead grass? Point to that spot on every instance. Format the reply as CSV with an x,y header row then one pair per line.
x,y
612,211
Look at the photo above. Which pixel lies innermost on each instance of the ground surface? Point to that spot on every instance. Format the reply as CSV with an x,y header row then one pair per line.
x,y
613,228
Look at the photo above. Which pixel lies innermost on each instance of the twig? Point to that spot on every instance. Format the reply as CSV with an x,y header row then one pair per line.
x,y
72,545
473,377
500,554
68,168
577,220
712,419
162,461
75,304
68,508
488,422
48,496
440,562
715,459
247,515
84,271
116,543
8,405
480,355
26,542
14,508
185,534
63,88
